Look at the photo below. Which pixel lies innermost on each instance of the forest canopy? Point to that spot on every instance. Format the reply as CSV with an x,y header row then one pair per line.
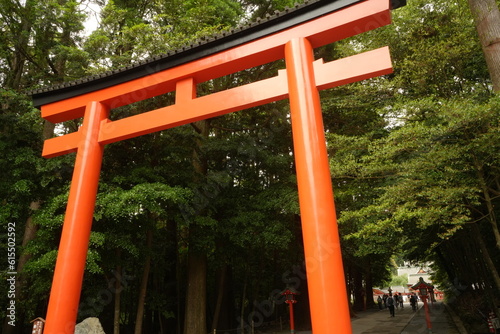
x,y
414,160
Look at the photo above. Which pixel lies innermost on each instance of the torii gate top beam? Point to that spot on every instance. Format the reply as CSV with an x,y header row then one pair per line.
x,y
311,10
322,30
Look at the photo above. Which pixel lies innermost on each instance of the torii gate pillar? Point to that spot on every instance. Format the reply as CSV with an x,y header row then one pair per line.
x,y
73,247
317,209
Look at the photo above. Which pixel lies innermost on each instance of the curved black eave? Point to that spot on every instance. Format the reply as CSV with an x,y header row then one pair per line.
x,y
278,22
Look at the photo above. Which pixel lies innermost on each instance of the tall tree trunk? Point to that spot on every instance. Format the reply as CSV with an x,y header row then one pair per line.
x,y
370,303
358,290
118,292
179,276
195,321
487,18
489,203
302,308
144,284
486,256
30,230
23,34
243,303
220,295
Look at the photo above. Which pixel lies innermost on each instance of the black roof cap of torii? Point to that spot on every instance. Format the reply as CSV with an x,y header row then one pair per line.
x,y
271,24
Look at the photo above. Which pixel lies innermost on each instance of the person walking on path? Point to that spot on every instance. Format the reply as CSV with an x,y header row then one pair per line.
x,y
413,302
401,301
390,305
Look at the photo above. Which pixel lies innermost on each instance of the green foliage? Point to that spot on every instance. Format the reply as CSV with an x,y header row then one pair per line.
x,y
130,32
399,280
142,200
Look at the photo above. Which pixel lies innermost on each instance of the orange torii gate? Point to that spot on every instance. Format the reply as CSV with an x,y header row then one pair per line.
x,y
300,82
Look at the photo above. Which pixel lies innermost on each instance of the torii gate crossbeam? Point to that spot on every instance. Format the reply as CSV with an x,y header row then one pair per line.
x,y
300,82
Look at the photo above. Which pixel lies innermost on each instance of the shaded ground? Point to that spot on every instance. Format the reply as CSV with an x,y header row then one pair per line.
x,y
405,322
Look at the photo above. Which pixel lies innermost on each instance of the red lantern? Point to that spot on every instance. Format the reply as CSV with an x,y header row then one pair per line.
x,y
290,300
425,289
